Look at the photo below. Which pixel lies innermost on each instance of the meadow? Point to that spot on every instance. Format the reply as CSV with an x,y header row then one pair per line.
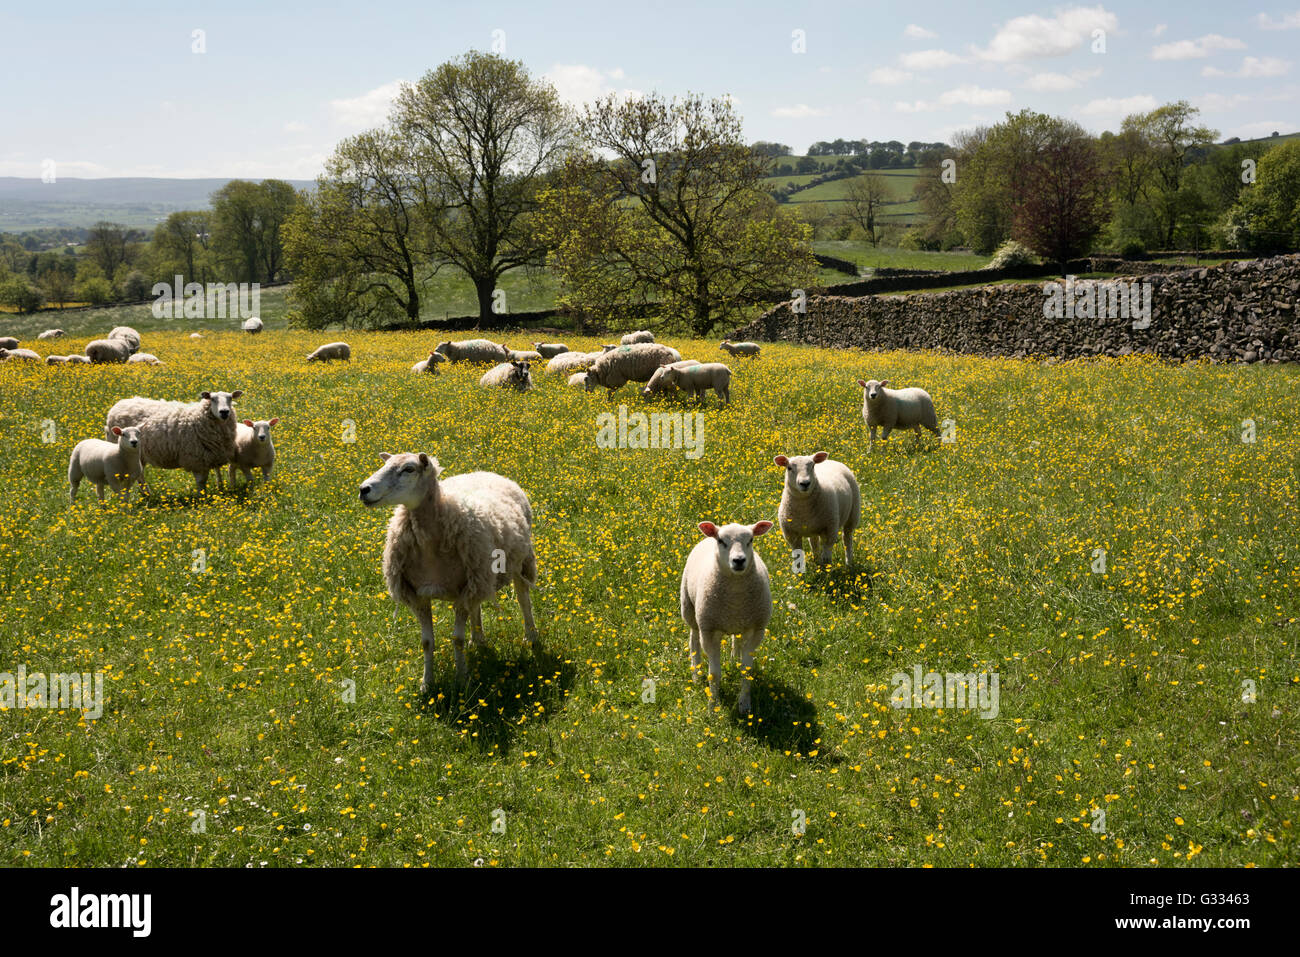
x,y
261,690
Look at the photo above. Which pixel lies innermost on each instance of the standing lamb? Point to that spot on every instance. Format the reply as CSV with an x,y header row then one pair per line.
x,y
127,335
148,358
641,335
659,383
252,325
636,363
508,375
896,409
51,334
460,540
115,464
331,351
750,349
571,362
253,449
18,355
429,365
474,350
697,379
549,350
821,499
725,591
195,436
108,350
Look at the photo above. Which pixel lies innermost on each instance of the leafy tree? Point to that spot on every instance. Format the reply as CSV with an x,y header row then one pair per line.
x,y
866,196
771,150
1266,217
1059,207
21,294
181,245
1171,139
246,221
106,245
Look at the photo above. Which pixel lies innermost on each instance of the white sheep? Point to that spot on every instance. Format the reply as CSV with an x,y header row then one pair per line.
x,y
473,350
331,351
570,362
194,436
429,365
726,591
252,325
578,380
196,335
641,335
609,347
78,360
148,358
820,500
51,334
659,383
108,350
52,360
18,355
508,375
750,349
115,464
253,449
524,355
458,540
549,350
635,363
127,335
892,409
8,342
697,379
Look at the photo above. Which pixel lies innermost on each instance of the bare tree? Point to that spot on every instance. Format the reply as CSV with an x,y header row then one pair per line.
x,y
866,195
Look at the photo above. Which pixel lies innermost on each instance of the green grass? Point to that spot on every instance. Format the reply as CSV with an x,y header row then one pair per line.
x,y
862,253
1120,692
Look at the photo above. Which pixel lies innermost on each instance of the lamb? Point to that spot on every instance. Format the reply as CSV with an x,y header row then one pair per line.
x,y
578,380
570,362
196,335
635,363
253,449
459,540
51,334
474,350
115,464
194,436
896,409
78,360
331,351
549,350
750,349
641,335
8,342
146,357
697,379
726,591
820,500
252,325
508,375
659,382
20,355
127,335
108,350
429,365
524,355
56,360
609,347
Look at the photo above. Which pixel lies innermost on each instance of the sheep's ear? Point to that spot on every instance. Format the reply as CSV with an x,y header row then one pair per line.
x,y
236,394
275,420
425,461
116,430
885,382
782,461
248,422
821,456
385,456
709,529
761,528
861,383
205,395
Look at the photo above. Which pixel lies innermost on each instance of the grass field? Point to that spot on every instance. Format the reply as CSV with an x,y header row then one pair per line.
x,y
861,252
229,736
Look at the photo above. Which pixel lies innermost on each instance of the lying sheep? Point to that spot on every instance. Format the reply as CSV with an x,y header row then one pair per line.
x,y
429,365
697,379
253,449
726,591
115,464
196,335
66,360
78,360
570,362
549,350
474,350
820,500
331,351
18,355
659,383
51,334
146,357
127,335
195,436
508,375
524,355
609,347
578,380
459,540
896,409
108,350
252,325
641,335
750,349
636,363
8,342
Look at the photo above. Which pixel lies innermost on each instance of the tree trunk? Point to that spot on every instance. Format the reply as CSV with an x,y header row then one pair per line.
x,y
484,286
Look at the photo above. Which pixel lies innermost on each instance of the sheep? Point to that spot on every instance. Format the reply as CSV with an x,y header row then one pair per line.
x,y
820,500
524,355
697,379
146,357
896,409
474,350
252,325
19,355
51,334
635,363
115,464
331,351
78,360
570,361
56,360
609,347
8,342
429,365
659,382
194,436
196,335
253,449
726,591
127,335
750,349
549,350
578,380
509,375
458,540
641,335
108,350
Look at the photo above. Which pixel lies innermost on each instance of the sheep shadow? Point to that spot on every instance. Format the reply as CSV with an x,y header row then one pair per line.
x,y
505,690
783,718
840,583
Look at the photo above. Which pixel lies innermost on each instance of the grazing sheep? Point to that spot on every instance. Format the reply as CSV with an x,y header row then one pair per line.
x,y
51,334
636,363
641,335
570,362
725,591
195,436
697,379
474,350
115,464
459,540
146,357
253,449
252,325
659,383
508,375
578,380
331,351
127,335
8,342
750,349
896,409
549,350
820,500
108,350
429,365
524,355
19,355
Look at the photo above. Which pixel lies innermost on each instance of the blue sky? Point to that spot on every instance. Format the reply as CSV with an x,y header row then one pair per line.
x,y
117,90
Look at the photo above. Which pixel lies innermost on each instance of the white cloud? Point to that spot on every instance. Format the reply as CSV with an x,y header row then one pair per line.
x,y
1159,29
1120,106
888,76
800,111
579,85
1060,82
1252,67
1028,37
1195,49
930,59
969,95
293,126
367,110
1289,21
1218,102
918,33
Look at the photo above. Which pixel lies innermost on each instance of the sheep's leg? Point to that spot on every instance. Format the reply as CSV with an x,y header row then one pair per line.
x,y
99,491
424,615
476,628
458,642
73,485
695,654
713,649
884,432
871,446
848,545
200,481
266,471
827,547
523,593
749,642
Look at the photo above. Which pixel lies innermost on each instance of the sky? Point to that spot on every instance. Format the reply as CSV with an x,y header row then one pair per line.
x,y
258,89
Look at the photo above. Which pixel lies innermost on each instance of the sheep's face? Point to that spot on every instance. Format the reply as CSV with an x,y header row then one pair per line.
x,y
735,545
873,391
130,436
405,479
519,375
442,348
221,405
800,472
589,382
261,429
656,381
